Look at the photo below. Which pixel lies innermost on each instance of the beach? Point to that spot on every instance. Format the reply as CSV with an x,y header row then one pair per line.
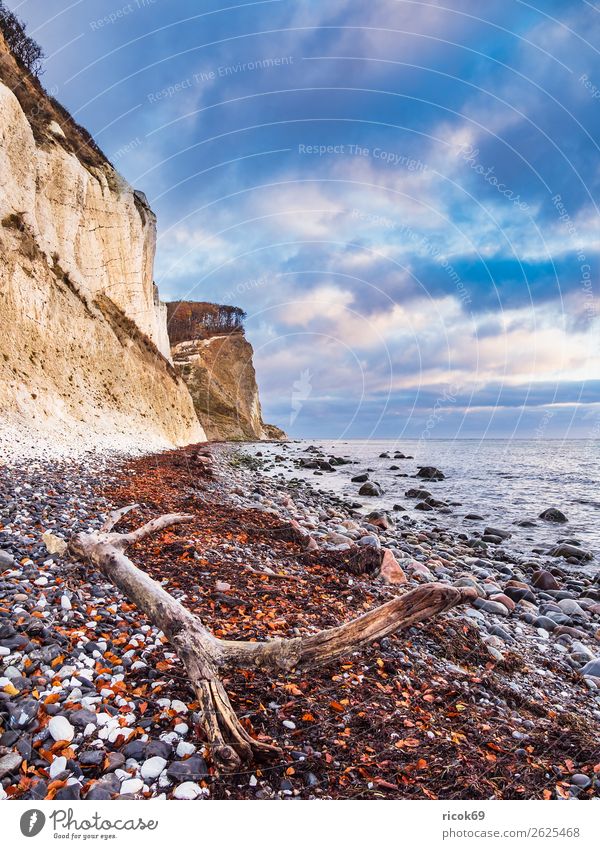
x,y
498,698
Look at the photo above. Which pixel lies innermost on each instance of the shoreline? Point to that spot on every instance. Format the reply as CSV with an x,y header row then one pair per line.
x,y
475,703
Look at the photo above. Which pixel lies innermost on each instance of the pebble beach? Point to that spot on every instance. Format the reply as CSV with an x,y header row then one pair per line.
x,y
498,699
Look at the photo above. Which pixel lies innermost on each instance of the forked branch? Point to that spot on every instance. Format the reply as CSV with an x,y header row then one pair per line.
x,y
203,655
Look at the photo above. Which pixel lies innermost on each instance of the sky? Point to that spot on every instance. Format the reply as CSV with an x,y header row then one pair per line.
x,y
402,195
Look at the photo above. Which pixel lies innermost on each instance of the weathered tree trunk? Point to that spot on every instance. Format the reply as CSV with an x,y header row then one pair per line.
x,y
203,655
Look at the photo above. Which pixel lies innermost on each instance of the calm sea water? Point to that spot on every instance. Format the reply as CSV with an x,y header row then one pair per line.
x,y
502,480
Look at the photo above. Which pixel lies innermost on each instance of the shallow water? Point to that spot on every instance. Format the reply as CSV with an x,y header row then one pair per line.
x,y
502,480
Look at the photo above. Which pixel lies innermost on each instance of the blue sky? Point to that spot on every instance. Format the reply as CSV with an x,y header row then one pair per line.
x,y
402,195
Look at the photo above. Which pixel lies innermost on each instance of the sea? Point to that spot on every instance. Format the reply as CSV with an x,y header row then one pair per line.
x,y
504,481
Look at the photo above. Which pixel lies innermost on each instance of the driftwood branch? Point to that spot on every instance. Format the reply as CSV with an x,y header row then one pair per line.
x,y
203,655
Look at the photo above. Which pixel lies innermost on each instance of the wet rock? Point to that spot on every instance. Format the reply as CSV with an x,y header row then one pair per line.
x,y
380,519
360,478
418,493
552,514
544,580
430,473
497,532
370,489
569,551
490,607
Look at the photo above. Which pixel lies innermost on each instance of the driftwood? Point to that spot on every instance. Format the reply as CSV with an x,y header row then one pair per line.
x,y
203,655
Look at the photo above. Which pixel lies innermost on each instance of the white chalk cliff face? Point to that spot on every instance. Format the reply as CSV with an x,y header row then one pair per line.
x,y
84,350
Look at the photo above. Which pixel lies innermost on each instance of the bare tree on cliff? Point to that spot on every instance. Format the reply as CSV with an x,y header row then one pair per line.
x,y
27,51
189,320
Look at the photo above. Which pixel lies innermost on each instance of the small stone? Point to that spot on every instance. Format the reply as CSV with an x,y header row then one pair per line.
x,y
591,668
287,723
193,768
93,757
57,766
152,768
187,790
131,786
61,729
581,780
391,571
10,763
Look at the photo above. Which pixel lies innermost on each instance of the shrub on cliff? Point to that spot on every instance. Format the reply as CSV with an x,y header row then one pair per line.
x,y
24,49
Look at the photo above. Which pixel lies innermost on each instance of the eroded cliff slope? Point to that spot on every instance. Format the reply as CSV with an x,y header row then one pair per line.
x,y
84,350
219,371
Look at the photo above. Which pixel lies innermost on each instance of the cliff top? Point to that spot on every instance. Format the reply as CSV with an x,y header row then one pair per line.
x,y
190,320
42,110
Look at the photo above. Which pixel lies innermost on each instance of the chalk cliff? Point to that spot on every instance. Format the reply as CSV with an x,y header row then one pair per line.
x,y
84,351
220,375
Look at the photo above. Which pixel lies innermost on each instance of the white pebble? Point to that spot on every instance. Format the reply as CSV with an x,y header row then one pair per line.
x,y
61,729
57,766
152,768
132,785
187,790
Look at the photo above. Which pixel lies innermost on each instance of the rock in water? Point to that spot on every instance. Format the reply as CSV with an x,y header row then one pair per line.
x,y
371,489
565,550
430,473
553,514
380,519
